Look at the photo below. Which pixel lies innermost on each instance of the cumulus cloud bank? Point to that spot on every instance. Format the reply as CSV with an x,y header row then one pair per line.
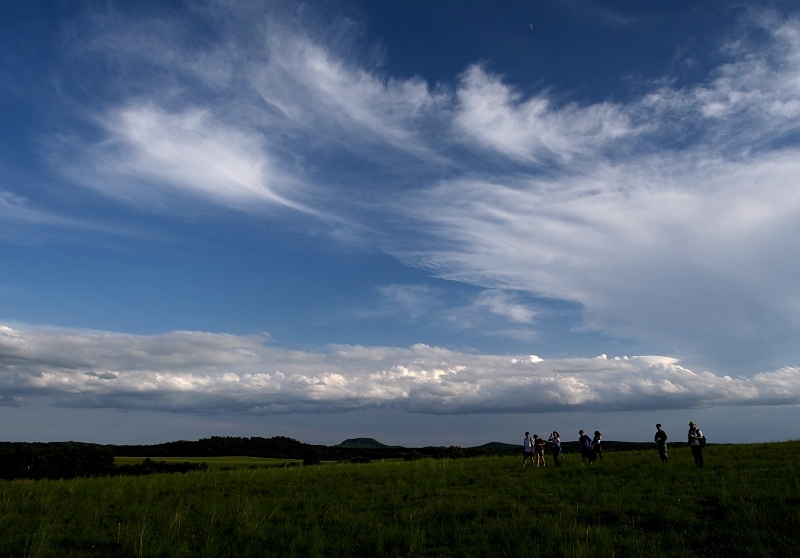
x,y
198,372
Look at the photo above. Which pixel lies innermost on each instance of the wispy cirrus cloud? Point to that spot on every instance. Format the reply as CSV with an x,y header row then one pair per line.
x,y
320,92
149,151
669,217
243,122
501,303
536,130
677,242
489,311
18,209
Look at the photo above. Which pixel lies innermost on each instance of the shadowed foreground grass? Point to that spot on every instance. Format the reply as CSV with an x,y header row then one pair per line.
x,y
745,502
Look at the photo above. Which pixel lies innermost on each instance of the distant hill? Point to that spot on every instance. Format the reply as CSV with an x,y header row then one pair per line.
x,y
362,443
500,446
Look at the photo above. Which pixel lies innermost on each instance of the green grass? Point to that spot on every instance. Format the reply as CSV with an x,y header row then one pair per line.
x,y
745,502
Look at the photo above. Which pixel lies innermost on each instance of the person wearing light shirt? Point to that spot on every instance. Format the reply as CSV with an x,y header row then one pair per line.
x,y
695,442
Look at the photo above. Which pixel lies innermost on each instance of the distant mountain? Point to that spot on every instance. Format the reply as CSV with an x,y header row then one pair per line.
x,y
499,446
362,443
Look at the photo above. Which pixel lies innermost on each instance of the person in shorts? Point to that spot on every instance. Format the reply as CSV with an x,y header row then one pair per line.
x,y
538,449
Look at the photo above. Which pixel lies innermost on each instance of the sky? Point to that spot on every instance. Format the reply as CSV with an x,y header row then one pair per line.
x,y
428,223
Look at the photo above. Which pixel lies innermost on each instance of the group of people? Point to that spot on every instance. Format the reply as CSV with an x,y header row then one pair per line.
x,y
696,438
534,448
592,448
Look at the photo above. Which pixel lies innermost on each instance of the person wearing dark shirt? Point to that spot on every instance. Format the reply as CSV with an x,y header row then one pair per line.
x,y
585,443
597,442
661,441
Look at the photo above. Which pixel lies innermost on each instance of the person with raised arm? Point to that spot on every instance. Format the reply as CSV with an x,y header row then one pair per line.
x,y
555,447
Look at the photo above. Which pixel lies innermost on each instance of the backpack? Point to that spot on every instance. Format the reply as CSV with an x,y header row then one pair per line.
x,y
702,440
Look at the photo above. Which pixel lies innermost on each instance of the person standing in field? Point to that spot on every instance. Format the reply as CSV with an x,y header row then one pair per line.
x,y
696,442
527,449
555,440
585,443
538,450
597,447
661,441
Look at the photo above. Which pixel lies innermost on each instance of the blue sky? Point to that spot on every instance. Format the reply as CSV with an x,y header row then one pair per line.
x,y
441,223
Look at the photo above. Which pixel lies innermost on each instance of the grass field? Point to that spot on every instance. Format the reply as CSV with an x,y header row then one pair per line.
x,y
745,502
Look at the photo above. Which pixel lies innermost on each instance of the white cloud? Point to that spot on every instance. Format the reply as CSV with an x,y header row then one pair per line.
x,y
745,104
149,150
321,93
412,301
25,222
691,246
203,372
19,210
240,124
673,250
533,130
505,304
488,312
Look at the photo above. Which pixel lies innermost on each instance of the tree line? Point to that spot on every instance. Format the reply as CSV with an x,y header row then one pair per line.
x,y
64,460
68,460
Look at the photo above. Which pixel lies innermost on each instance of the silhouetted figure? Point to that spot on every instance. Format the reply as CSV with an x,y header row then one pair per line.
x,y
597,446
585,444
661,442
555,448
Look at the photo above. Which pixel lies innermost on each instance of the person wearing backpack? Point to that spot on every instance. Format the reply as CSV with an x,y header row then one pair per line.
x,y
696,441
597,442
527,449
585,443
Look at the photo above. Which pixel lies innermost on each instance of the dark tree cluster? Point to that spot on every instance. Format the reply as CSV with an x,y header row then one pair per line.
x,y
55,461
289,448
219,446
